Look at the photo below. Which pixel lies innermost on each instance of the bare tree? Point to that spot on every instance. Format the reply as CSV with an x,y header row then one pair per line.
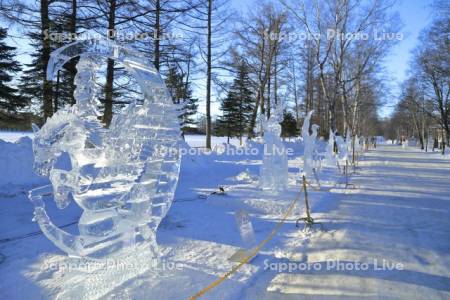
x,y
338,30
432,60
210,21
260,38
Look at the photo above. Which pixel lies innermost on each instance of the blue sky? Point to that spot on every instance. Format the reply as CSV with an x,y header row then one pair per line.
x,y
415,15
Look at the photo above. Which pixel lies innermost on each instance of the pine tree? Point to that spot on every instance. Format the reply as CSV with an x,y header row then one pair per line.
x,y
289,125
175,84
182,94
237,107
64,87
225,125
188,111
31,79
10,101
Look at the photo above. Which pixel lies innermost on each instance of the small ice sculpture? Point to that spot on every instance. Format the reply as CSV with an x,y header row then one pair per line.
x,y
330,156
123,177
245,229
274,170
261,121
247,236
309,141
342,148
430,142
349,142
358,145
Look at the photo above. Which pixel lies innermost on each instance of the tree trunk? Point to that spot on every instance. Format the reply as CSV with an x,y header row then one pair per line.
x,y
208,79
72,64
157,32
252,124
46,50
56,100
294,79
308,97
275,83
107,115
268,97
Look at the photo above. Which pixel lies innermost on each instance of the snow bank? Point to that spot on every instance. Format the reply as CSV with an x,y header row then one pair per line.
x,y
14,136
198,140
16,164
16,158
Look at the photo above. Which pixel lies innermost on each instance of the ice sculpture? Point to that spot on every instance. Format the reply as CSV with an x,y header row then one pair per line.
x,y
342,148
430,142
274,170
123,177
309,141
345,147
261,121
330,156
358,144
245,229
349,142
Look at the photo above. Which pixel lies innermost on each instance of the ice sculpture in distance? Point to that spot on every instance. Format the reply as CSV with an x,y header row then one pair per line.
x,y
330,156
309,141
274,169
342,148
349,143
358,145
123,177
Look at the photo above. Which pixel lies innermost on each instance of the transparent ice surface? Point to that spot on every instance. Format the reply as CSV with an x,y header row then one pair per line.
x,y
245,229
430,142
274,170
342,148
349,142
330,156
309,141
358,143
123,177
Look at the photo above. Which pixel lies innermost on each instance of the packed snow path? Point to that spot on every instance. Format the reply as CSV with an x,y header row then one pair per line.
x,y
398,213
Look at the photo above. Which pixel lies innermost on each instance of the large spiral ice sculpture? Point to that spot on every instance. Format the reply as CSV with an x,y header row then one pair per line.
x,y
123,177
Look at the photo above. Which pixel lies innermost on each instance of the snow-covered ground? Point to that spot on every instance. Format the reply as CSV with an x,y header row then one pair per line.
x,y
395,221
13,136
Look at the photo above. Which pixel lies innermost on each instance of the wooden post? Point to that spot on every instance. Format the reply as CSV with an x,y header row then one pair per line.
x,y
346,173
308,214
353,149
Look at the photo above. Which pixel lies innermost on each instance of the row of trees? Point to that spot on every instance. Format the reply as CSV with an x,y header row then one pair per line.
x,y
313,55
47,25
424,102
303,55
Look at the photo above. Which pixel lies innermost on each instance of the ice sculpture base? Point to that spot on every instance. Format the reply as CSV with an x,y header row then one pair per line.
x,y
241,255
86,278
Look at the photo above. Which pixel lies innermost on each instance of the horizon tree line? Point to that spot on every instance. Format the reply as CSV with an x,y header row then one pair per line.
x,y
246,62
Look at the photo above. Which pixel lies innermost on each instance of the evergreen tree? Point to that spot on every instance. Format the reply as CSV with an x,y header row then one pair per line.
x,y
182,94
226,125
31,80
175,84
188,111
10,101
237,107
289,125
